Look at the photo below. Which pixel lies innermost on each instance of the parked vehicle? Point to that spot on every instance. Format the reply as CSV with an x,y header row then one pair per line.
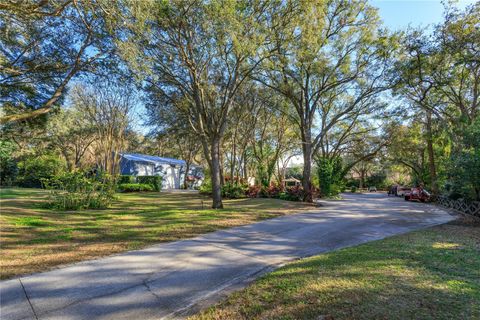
x,y
401,191
417,194
392,191
372,189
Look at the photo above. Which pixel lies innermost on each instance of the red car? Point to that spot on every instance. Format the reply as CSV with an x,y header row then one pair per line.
x,y
417,194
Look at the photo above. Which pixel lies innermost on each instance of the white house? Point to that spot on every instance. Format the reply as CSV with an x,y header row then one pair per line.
x,y
171,170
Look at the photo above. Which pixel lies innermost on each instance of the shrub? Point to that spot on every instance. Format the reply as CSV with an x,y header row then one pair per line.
x,y
293,194
34,170
154,181
253,191
329,173
353,189
135,187
272,191
206,187
233,190
125,179
74,191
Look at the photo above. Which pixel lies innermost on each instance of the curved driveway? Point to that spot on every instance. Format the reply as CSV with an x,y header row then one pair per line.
x,y
171,280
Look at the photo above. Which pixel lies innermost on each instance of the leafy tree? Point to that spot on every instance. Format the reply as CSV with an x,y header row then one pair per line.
x,y
44,45
107,108
201,53
70,132
465,170
331,60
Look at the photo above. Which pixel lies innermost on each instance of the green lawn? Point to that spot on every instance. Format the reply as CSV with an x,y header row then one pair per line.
x,y
429,274
34,239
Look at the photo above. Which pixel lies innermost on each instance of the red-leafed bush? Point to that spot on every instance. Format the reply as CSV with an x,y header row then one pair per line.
x,y
253,191
272,191
293,194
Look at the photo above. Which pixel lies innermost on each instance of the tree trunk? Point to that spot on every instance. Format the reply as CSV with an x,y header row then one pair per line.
x,y
187,168
362,179
307,171
431,155
216,175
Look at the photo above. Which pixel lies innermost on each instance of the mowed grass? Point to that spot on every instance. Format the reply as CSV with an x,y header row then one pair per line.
x,y
35,239
429,274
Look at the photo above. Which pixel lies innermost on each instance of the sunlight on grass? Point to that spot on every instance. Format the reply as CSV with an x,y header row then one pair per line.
x,y
34,238
446,245
412,276
30,222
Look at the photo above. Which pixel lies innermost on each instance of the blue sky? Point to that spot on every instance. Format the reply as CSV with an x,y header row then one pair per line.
x,y
399,14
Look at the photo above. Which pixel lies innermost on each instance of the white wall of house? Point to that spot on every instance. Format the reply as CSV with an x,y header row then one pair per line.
x,y
172,177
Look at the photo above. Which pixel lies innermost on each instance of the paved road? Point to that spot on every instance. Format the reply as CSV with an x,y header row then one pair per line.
x,y
174,279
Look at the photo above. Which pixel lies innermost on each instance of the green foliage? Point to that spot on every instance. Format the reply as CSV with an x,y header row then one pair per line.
x,y
33,170
353,189
465,166
46,45
234,190
135,187
329,176
8,165
125,179
378,179
154,181
294,172
206,187
75,191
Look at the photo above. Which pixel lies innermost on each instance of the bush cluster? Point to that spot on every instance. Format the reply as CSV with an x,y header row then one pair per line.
x,y
234,190
135,187
292,194
237,191
76,190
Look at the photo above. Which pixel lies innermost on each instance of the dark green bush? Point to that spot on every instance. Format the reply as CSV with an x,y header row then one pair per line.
x,y
353,189
135,187
154,181
125,179
75,190
234,190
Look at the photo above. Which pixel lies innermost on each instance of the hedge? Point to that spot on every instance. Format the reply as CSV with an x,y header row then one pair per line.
x,y
134,187
154,181
126,179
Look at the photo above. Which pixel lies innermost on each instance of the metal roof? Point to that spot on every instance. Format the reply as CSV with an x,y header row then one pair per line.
x,y
152,159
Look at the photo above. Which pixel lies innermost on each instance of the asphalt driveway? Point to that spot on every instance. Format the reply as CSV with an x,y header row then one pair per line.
x,y
174,279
